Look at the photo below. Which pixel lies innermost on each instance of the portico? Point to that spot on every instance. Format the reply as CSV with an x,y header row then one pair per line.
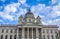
x,y
29,33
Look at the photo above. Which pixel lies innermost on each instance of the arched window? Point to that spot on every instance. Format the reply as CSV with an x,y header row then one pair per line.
x,y
1,36
6,37
10,36
14,36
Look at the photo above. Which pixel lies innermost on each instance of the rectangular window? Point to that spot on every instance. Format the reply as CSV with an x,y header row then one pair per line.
x,y
43,36
10,36
14,36
52,37
6,37
6,30
51,31
2,30
56,36
1,36
55,31
11,31
47,31
15,30
43,31
47,36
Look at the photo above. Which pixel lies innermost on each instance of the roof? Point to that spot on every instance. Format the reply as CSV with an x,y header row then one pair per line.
x,y
44,26
29,14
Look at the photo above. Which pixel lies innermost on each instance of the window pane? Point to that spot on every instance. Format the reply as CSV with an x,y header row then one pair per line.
x,y
2,30
43,31
47,31
10,36
14,36
6,37
52,37
47,36
7,31
15,30
11,31
56,35
43,36
51,31
1,36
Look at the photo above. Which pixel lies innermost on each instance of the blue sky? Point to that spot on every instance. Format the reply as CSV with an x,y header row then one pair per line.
x,y
48,10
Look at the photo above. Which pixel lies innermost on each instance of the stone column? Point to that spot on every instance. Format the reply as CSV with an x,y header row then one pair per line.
x,y
23,33
32,33
41,34
27,33
17,33
37,33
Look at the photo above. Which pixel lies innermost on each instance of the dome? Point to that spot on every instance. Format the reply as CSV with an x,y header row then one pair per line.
x,y
29,15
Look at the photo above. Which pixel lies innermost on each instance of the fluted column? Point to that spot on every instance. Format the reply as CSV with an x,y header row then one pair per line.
x,y
32,33
17,33
27,33
23,33
37,33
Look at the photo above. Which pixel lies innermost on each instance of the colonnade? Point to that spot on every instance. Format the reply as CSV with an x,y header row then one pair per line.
x,y
29,33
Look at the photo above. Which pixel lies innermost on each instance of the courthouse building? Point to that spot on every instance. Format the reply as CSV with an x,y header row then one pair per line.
x,y
29,27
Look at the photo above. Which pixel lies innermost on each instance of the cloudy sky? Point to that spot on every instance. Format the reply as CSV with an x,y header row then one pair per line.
x,y
48,10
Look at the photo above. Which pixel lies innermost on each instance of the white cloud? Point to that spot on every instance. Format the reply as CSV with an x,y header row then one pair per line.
x,y
55,11
6,16
49,11
37,9
3,0
22,1
55,2
22,12
11,9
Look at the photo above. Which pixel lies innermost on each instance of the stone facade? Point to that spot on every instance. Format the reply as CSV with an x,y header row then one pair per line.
x,y
29,27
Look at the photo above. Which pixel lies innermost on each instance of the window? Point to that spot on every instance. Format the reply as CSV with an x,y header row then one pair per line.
x,y
6,37
10,36
7,31
29,20
43,31
15,30
2,30
51,31
1,36
47,36
11,31
56,36
14,36
43,36
47,31
52,37
55,31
